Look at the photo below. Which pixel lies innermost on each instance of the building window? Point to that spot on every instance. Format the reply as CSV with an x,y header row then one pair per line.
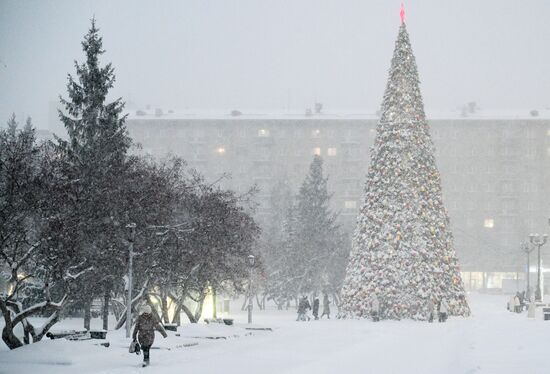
x,y
317,151
350,204
331,152
220,150
315,133
489,223
264,133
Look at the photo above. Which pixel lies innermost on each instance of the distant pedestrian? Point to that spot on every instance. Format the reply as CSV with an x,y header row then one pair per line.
x,y
431,310
315,309
510,304
303,307
517,303
443,310
144,331
528,294
326,306
375,308
522,300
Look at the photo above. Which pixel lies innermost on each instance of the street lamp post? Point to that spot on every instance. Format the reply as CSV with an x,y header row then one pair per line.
x,y
528,249
132,227
538,241
251,263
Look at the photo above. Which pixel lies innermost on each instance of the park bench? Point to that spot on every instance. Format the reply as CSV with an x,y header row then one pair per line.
x,y
77,334
227,321
171,327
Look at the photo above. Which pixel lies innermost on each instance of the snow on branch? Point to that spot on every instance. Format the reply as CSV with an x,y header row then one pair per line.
x,y
73,277
16,265
38,308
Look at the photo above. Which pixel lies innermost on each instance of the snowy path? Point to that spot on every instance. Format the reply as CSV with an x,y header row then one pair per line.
x,y
492,341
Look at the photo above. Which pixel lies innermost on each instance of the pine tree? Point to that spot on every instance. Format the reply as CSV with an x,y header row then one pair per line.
x,y
402,248
275,255
96,155
317,234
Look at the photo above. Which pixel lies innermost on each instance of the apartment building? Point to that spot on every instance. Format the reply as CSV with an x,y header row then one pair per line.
x,y
495,169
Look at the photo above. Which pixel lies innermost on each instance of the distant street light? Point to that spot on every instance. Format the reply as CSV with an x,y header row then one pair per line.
x,y
251,260
538,241
132,227
528,249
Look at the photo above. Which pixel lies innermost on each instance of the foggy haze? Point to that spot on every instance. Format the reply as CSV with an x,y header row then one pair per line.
x,y
277,55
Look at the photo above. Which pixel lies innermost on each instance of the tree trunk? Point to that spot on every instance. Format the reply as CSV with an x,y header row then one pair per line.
x,y
141,294
198,311
117,308
106,300
26,335
214,302
260,303
176,318
188,313
153,309
336,301
9,337
164,305
87,314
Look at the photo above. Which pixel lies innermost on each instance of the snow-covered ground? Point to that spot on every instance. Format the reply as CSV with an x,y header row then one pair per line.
x,y
491,341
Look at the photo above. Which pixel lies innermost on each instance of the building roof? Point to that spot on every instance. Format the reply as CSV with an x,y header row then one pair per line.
x,y
190,114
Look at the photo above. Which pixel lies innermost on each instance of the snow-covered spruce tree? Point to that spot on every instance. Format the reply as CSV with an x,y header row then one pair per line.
x,y
317,236
402,248
274,254
286,274
96,163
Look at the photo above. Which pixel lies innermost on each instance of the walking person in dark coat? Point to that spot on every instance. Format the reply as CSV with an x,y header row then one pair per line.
x,y
326,306
303,307
316,308
144,331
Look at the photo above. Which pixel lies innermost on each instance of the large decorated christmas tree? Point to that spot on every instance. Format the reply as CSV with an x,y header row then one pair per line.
x,y
402,250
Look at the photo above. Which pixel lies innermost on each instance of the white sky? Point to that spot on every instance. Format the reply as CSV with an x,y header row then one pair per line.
x,y
266,54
